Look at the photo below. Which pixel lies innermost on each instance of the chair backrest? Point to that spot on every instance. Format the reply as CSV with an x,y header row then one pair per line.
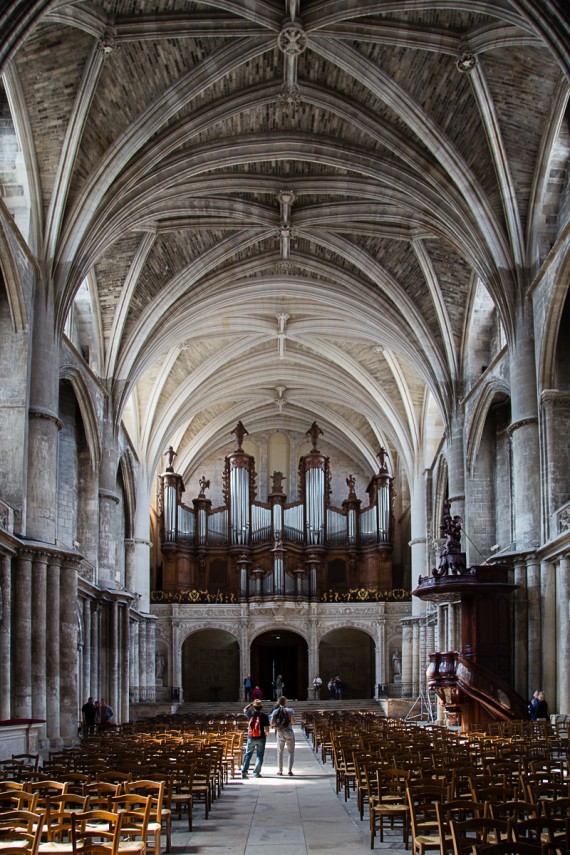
x,y
45,789
100,795
154,789
135,810
540,829
513,810
96,832
18,799
32,761
477,831
458,810
59,810
21,829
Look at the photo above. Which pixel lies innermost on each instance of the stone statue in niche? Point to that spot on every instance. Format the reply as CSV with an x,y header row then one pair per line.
x,y
159,669
397,665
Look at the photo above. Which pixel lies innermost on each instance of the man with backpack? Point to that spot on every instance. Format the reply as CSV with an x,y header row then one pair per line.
x,y
282,719
257,730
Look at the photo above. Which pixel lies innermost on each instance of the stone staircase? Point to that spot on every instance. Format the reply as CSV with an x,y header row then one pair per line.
x,y
236,707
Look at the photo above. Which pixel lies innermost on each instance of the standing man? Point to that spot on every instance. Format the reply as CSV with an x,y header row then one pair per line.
x,y
257,730
89,711
282,719
317,683
247,687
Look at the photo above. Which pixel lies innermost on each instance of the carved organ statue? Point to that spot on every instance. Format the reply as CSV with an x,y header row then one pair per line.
x,y
252,550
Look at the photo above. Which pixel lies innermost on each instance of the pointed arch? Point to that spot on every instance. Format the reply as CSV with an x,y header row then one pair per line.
x,y
10,274
127,469
87,409
494,387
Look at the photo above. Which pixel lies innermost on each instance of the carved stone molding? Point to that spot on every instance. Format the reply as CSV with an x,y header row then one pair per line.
x,y
292,39
552,399
466,63
45,414
531,420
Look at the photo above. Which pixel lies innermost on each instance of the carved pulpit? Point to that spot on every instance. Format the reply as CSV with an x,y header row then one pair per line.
x,y
474,683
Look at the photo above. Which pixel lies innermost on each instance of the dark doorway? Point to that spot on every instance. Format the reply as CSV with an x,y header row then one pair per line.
x,y
280,652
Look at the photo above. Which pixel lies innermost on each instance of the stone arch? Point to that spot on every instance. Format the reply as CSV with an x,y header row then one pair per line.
x,y
493,389
126,466
489,465
553,314
285,625
87,409
348,650
12,283
279,650
210,665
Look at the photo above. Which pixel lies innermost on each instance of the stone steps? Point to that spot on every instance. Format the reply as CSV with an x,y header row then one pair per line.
x,y
234,707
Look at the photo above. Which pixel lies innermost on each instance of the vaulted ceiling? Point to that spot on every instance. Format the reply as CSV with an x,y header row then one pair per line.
x,y
281,212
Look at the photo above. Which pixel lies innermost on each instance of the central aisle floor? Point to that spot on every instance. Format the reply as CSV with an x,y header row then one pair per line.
x,y
301,815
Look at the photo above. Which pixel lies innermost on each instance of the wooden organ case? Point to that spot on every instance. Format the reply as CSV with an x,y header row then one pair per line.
x,y
248,550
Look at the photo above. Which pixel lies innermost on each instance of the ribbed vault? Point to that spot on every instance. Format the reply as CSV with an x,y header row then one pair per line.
x,y
282,209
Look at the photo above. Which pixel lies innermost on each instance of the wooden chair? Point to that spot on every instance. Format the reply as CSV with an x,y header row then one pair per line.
x,y
422,802
95,832
179,792
549,832
457,810
135,810
58,822
389,802
469,834
155,790
20,831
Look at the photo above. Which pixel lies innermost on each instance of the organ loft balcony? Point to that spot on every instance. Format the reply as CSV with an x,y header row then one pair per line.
x,y
246,550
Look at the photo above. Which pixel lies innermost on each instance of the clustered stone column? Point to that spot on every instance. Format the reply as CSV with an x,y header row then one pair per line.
x,y
5,637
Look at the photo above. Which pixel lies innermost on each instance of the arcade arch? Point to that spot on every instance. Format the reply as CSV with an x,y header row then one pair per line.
x,y
350,654
284,652
210,666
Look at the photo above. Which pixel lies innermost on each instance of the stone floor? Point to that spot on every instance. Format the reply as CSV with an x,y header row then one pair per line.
x,y
281,815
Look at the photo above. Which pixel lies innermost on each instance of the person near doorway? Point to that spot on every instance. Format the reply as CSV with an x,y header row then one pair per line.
x,y
317,683
257,730
282,719
279,687
338,688
256,694
332,689
247,687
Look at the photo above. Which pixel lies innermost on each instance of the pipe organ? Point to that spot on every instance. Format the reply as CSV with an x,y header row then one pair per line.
x,y
248,549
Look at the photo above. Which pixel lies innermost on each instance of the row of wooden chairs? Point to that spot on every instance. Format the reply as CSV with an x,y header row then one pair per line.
x,y
70,828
